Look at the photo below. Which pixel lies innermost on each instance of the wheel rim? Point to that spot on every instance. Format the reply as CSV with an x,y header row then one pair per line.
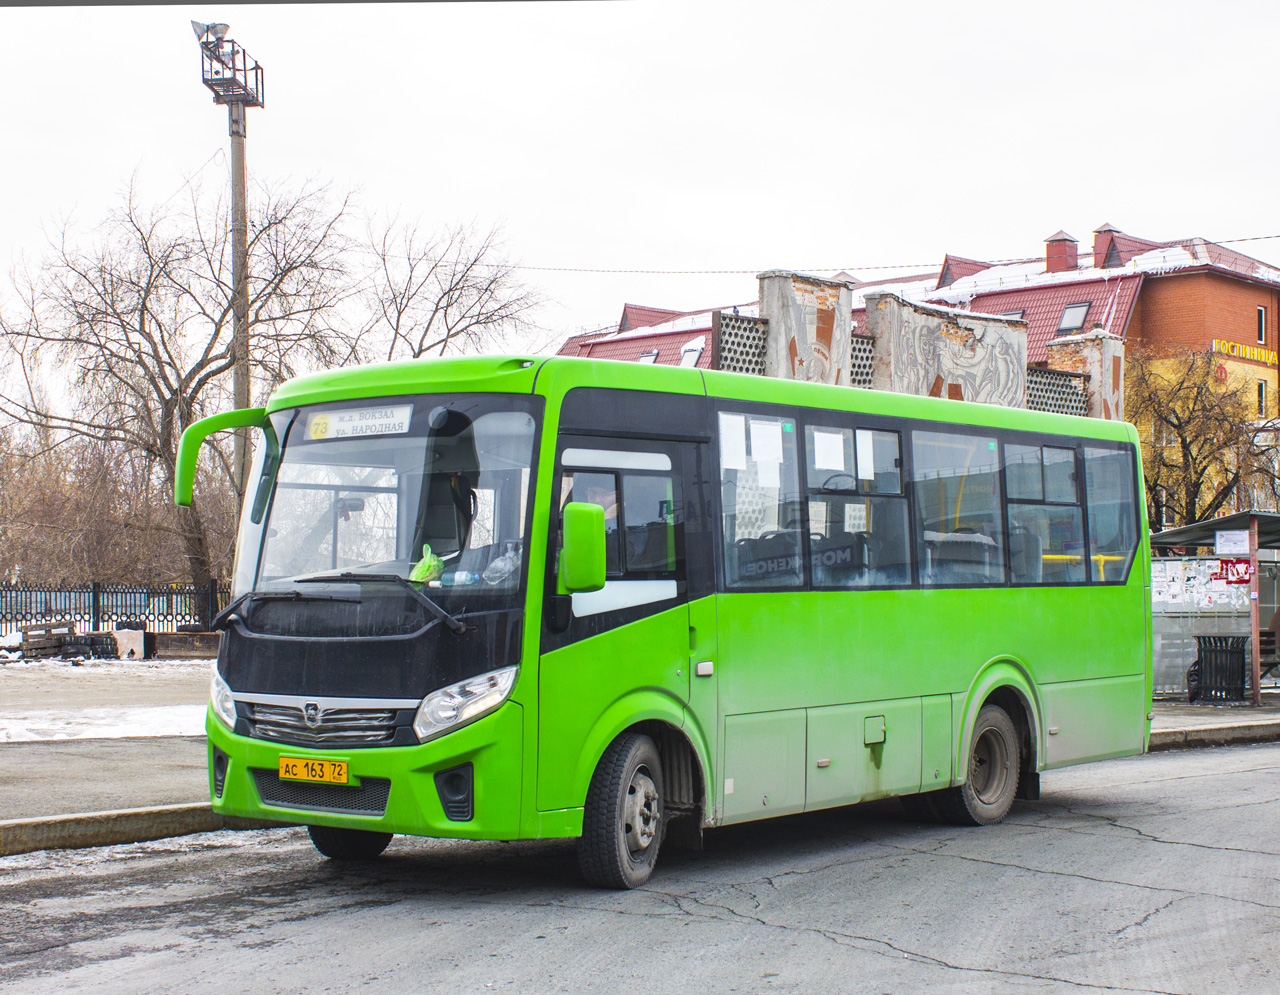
x,y
989,768
641,813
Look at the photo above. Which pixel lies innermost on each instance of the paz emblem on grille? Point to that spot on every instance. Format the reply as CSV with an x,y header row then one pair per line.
x,y
311,712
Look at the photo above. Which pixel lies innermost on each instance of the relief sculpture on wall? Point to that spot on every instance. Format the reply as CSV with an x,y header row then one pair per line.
x,y
940,352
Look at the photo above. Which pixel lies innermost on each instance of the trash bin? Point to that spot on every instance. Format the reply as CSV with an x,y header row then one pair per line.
x,y
1220,661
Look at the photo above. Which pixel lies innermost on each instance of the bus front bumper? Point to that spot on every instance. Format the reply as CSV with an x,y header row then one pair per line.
x,y
389,789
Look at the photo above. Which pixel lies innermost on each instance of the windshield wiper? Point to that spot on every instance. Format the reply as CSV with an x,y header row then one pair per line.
x,y
220,620
454,624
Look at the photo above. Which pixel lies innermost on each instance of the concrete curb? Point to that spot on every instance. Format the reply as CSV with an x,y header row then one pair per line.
x,y
129,825
137,825
1196,737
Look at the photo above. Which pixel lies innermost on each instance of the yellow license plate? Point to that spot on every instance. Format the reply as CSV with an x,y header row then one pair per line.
x,y
321,771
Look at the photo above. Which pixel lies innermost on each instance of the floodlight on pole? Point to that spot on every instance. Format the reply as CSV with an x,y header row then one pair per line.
x,y
236,80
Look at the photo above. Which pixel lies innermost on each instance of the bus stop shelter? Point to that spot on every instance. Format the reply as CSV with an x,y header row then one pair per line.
x,y
1234,537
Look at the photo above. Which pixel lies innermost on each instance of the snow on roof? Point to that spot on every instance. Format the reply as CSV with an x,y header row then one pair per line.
x,y
694,321
914,290
1154,262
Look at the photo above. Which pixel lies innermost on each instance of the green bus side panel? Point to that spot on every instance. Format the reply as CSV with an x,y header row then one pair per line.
x,y
593,689
792,650
937,739
863,751
1095,719
764,764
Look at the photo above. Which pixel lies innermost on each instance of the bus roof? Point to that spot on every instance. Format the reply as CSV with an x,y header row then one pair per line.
x,y
554,375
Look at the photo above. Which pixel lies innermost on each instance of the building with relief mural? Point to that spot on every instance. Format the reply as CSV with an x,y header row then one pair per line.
x,y
969,329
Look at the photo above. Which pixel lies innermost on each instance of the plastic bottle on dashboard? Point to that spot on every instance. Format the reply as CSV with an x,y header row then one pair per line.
x,y
504,566
455,578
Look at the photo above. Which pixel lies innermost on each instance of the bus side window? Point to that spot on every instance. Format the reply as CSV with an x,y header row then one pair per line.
x,y
1113,521
644,529
1046,528
650,511
856,539
959,520
760,499
594,487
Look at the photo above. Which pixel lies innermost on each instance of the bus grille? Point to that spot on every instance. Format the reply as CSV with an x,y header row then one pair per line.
x,y
334,726
368,798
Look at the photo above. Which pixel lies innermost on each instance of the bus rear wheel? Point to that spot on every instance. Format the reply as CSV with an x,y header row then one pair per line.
x,y
994,764
622,823
348,844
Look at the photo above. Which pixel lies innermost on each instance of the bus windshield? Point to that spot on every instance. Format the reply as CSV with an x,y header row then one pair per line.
x,y
429,488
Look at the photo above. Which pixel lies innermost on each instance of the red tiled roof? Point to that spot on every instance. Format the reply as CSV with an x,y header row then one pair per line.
x,y
1111,302
957,268
1129,246
573,345
642,316
668,344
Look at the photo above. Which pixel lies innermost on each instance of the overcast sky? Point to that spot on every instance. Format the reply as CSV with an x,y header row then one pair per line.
x,y
677,136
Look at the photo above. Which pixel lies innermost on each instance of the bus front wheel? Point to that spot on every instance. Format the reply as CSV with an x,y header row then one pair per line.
x,y
348,844
994,762
622,823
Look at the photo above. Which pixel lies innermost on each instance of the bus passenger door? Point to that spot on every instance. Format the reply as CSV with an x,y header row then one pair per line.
x,y
625,649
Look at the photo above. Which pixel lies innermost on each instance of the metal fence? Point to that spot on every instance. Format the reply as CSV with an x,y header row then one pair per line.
x,y
93,607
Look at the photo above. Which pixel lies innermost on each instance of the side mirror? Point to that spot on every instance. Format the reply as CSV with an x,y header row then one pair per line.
x,y
189,447
582,560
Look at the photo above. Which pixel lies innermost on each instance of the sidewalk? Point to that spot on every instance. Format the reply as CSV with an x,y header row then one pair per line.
x,y
1179,725
72,793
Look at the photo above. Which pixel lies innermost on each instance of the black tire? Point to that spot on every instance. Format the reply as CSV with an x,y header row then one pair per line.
x,y
622,824
348,844
994,766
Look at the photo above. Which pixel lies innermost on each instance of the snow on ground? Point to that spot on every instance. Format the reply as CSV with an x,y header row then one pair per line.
x,y
29,725
56,699
41,863
133,668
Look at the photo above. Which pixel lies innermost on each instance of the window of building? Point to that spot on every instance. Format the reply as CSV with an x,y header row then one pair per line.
x,y
959,528
648,357
857,537
691,353
764,532
1072,319
1013,314
1262,399
1262,326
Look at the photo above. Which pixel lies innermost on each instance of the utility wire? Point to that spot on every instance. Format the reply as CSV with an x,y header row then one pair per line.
x,y
830,269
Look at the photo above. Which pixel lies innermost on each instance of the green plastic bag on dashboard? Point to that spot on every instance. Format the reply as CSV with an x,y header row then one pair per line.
x,y
428,568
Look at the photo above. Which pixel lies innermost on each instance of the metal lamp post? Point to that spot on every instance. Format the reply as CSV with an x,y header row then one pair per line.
x,y
235,80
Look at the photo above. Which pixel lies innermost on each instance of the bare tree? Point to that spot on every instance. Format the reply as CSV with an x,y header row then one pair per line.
x,y
127,341
429,293
1204,445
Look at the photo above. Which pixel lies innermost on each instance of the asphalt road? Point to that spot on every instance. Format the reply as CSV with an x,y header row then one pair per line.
x,y
1156,874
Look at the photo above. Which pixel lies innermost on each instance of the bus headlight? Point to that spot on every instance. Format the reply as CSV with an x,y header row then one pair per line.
x,y
448,708
224,705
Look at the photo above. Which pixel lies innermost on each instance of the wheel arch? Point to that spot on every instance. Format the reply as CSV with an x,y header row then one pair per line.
x,y
1007,682
684,760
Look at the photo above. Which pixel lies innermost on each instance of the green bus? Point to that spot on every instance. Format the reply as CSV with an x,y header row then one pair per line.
x,y
512,598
